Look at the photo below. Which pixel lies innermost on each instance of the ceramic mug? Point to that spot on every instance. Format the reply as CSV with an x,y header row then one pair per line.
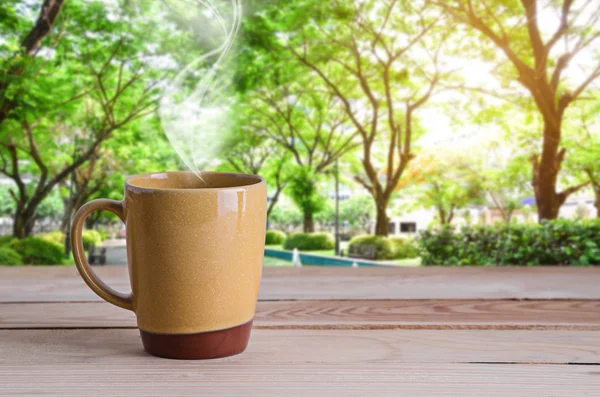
x,y
195,253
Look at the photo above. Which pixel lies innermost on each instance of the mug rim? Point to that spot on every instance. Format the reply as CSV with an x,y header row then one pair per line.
x,y
259,180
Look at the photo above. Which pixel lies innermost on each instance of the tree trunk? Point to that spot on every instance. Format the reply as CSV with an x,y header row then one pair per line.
x,y
596,188
66,218
23,224
450,215
381,225
65,222
90,221
442,215
446,216
274,200
309,223
545,173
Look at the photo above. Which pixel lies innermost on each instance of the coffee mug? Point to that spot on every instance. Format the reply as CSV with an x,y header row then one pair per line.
x,y
195,251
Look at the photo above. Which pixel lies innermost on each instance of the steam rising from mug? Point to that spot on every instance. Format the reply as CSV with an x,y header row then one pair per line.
x,y
194,112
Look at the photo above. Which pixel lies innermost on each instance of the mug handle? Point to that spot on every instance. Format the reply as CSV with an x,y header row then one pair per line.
x,y
91,279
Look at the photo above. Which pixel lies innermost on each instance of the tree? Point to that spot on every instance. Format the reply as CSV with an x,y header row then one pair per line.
x,y
251,152
358,212
305,124
17,64
539,60
57,118
584,147
592,170
381,60
286,217
443,184
303,190
139,147
502,179
85,182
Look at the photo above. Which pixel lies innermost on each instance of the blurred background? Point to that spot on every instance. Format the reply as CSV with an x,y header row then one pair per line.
x,y
390,132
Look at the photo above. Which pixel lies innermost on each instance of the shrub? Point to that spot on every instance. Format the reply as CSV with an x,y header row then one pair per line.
x,y
557,242
274,237
90,237
7,240
309,241
384,249
36,251
56,237
9,256
404,248
102,234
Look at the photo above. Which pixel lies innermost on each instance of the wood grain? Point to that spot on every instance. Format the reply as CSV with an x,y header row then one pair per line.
x,y
321,331
54,284
297,363
440,314
332,347
185,379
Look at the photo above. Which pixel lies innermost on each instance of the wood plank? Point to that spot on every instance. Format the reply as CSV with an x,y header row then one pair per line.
x,y
190,379
439,314
32,284
333,347
299,363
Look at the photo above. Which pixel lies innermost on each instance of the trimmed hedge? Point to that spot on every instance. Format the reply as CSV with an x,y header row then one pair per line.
x,y
557,242
388,248
9,256
405,248
309,242
384,249
274,237
36,251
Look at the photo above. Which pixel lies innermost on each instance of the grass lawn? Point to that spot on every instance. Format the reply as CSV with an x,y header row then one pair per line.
x,y
408,262
276,262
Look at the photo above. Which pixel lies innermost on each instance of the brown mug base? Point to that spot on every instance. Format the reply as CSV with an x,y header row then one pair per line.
x,y
200,346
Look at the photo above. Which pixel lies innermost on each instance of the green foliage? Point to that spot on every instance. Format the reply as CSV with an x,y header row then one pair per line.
x,y
303,191
449,188
384,249
36,251
7,241
9,257
274,237
286,216
56,237
309,242
102,233
96,53
52,206
7,204
285,108
358,212
404,248
557,242
90,237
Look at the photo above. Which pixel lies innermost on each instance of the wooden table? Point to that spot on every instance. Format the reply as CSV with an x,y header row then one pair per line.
x,y
321,332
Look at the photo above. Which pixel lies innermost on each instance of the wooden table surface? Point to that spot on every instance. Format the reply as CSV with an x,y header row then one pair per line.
x,y
321,332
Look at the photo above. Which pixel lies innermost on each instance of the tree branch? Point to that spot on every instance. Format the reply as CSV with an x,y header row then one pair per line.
x,y
563,27
48,14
